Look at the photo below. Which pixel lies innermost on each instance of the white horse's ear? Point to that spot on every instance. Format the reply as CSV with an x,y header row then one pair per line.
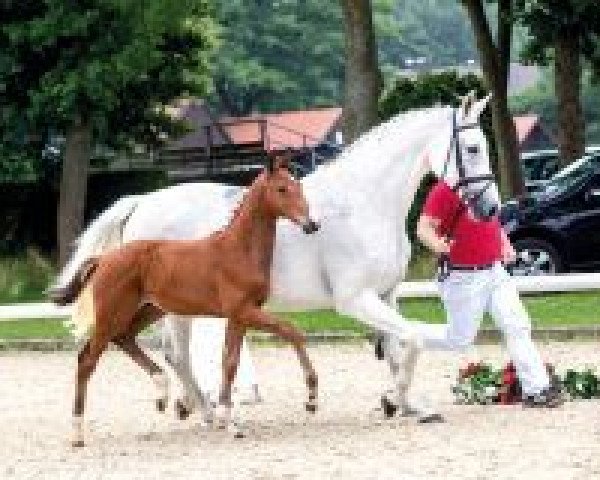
x,y
471,96
466,103
479,107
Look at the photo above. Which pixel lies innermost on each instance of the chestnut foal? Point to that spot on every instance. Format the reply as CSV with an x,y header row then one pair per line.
x,y
224,275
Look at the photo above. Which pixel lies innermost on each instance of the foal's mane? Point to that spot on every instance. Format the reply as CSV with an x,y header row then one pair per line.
x,y
238,208
255,184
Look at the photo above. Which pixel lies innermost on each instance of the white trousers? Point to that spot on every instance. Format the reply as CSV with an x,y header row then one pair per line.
x,y
467,296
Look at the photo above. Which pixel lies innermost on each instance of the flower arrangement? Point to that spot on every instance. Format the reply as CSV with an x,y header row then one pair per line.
x,y
480,383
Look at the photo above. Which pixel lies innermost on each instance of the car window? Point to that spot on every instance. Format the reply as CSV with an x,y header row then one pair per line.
x,y
570,176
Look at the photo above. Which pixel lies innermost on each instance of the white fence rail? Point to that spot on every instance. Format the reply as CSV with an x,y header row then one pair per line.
x,y
532,284
540,284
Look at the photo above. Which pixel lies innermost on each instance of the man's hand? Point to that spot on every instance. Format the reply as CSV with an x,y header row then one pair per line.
x,y
509,254
441,246
427,233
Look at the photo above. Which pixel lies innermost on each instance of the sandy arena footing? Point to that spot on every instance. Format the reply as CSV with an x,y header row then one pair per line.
x,y
347,438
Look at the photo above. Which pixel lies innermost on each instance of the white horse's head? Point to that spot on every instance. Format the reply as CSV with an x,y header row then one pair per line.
x,y
459,155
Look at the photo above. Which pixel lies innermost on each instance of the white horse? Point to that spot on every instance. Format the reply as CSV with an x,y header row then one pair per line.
x,y
359,256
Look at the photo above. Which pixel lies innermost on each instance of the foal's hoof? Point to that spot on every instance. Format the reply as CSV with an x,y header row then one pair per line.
x,y
181,410
161,404
78,443
431,418
389,409
311,407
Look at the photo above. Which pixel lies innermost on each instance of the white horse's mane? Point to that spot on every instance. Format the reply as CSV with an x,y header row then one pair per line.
x,y
404,138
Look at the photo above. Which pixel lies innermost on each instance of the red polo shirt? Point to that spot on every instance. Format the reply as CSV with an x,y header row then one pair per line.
x,y
475,242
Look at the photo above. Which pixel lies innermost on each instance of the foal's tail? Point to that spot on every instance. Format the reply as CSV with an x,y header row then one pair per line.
x,y
68,293
81,295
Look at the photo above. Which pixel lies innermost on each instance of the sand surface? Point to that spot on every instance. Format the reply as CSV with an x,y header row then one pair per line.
x,y
347,438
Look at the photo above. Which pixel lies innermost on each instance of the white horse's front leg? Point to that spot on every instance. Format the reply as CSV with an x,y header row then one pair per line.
x,y
177,332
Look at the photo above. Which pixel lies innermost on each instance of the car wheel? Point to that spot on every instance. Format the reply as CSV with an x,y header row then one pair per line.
x,y
536,257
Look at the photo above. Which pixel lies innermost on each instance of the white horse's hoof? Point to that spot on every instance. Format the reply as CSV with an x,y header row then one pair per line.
x,y
237,430
222,417
182,409
389,408
432,417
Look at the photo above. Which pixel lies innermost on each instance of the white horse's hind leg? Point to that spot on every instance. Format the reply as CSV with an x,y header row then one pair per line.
x,y
246,377
206,355
177,333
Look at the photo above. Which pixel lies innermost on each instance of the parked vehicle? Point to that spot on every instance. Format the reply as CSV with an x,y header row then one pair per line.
x,y
556,228
540,165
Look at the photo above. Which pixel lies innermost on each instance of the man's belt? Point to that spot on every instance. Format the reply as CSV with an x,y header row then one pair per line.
x,y
445,267
470,268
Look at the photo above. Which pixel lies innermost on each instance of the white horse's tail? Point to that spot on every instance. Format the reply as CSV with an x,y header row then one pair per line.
x,y
104,233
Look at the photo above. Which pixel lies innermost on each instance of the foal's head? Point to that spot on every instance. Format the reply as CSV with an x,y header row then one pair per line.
x,y
282,195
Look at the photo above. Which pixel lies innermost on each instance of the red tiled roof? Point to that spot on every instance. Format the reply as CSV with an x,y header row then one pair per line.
x,y
293,129
524,125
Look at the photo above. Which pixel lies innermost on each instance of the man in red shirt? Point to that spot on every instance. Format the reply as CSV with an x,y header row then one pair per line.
x,y
478,283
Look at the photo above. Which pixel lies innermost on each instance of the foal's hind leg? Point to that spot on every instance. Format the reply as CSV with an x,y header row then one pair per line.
x,y
145,316
87,359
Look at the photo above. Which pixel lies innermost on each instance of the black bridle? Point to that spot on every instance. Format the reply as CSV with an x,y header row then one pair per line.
x,y
463,179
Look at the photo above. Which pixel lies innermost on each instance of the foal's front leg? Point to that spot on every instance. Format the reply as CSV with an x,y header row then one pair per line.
x,y
262,320
234,334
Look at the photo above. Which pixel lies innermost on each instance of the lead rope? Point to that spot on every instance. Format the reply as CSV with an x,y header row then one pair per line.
x,y
444,259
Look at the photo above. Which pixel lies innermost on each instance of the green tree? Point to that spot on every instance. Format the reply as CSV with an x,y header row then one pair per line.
x,y
286,54
437,30
542,100
564,30
278,55
495,55
97,71
362,81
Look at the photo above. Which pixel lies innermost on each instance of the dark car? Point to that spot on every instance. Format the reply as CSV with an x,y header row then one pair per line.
x,y
557,228
540,165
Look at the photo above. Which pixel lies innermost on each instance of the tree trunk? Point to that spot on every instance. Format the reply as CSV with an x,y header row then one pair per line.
x,y
505,133
362,77
73,187
495,61
567,74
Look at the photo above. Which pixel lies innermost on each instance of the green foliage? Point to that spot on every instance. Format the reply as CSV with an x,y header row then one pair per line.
x,y
427,90
277,55
549,19
112,63
290,53
438,30
25,277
